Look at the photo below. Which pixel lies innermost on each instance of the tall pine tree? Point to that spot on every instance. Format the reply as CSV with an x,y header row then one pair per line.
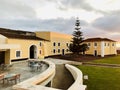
x,y
77,45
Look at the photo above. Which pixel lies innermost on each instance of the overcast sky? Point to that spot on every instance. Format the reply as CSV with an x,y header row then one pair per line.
x,y
98,18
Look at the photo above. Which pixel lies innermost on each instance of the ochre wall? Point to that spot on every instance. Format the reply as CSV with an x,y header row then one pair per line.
x,y
63,39
108,49
24,48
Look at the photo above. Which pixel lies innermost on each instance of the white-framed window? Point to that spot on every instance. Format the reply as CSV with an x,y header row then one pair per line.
x,y
88,44
40,52
58,44
67,44
112,44
18,54
58,50
54,44
105,44
40,44
95,44
54,51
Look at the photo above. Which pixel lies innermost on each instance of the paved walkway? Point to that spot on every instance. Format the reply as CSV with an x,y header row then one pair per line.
x,y
60,61
63,78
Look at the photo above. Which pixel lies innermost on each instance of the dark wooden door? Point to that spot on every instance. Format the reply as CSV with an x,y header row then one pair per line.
x,y
2,57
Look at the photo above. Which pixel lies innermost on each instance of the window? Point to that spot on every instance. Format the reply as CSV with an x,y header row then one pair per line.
x,y
95,44
67,44
88,44
105,44
40,51
108,44
53,50
58,50
67,50
113,44
40,44
54,44
17,53
58,44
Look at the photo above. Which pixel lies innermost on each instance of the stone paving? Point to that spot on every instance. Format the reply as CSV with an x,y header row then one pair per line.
x,y
60,61
24,70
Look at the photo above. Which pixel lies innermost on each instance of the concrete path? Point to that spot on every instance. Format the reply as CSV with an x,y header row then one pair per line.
x,y
63,78
60,61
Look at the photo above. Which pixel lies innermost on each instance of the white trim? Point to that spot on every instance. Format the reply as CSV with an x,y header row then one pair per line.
x,y
102,49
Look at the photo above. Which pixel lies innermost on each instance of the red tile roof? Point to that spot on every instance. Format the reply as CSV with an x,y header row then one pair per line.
x,y
98,39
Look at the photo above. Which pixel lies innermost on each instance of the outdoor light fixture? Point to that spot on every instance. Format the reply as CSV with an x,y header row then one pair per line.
x,y
85,77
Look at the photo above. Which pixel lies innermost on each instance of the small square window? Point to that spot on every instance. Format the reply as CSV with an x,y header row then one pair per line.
x,y
88,44
40,44
58,44
67,44
105,44
17,53
95,44
40,51
113,44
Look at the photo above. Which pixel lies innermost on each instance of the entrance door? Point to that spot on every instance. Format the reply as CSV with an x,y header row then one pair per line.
x,y
63,52
95,52
33,52
2,57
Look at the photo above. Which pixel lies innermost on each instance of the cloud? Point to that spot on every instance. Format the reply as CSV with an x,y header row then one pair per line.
x,y
58,25
15,9
109,22
75,4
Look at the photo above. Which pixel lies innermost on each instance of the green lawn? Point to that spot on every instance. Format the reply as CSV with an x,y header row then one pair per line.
x,y
101,78
109,60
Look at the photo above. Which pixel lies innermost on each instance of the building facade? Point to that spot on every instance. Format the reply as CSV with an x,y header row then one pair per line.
x,y
57,43
101,46
21,45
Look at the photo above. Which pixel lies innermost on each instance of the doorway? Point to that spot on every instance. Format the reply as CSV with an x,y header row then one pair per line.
x,y
95,53
2,57
63,52
33,52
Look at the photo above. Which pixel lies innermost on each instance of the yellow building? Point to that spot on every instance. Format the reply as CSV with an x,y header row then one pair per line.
x,y
21,45
58,43
101,46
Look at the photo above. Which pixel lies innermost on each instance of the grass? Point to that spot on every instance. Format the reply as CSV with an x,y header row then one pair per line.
x,y
109,60
101,78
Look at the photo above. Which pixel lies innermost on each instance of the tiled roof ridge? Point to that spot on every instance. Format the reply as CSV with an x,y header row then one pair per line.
x,y
16,34
98,39
11,30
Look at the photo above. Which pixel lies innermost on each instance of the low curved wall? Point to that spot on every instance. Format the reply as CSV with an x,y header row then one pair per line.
x,y
78,77
39,81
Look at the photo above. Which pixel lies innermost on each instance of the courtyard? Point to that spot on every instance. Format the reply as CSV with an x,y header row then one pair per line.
x,y
24,70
